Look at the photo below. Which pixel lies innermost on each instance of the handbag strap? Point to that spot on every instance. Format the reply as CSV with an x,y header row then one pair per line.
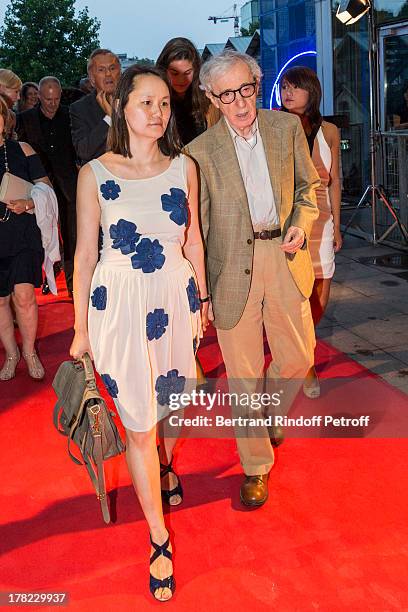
x,y
56,415
98,481
98,478
89,371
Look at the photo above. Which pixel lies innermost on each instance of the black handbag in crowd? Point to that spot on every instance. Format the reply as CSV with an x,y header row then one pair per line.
x,y
81,414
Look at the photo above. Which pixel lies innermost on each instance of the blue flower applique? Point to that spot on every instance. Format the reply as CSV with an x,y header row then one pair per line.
x,y
110,385
156,323
192,294
124,236
176,205
110,190
98,298
148,256
169,384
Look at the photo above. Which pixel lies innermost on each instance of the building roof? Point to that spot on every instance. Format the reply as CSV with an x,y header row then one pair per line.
x,y
239,43
212,49
242,44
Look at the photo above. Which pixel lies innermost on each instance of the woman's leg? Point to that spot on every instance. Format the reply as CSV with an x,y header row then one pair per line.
x,y
170,480
7,336
27,319
143,463
166,448
318,303
319,298
8,340
26,314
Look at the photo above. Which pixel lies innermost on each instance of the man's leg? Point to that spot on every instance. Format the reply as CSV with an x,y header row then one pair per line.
x,y
243,354
289,328
70,243
67,219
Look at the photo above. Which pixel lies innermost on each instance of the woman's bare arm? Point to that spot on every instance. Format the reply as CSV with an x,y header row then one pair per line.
x,y
193,247
86,256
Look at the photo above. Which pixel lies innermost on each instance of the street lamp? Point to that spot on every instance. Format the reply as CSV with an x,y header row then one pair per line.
x,y
349,12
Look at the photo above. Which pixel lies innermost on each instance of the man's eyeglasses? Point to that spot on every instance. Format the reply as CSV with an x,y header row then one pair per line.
x,y
245,91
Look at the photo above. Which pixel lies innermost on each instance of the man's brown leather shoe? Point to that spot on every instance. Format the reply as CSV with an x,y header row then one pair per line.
x,y
254,490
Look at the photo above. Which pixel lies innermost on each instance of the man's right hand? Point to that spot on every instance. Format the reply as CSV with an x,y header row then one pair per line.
x,y
105,102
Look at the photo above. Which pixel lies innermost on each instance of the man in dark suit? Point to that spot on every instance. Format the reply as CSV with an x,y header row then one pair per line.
x,y
91,116
47,129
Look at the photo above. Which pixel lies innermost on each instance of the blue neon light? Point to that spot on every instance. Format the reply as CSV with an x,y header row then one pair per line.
x,y
275,89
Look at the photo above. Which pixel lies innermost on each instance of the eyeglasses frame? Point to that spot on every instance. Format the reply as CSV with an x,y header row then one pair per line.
x,y
235,91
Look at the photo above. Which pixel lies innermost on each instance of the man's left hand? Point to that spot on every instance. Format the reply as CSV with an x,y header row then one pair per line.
x,y
294,239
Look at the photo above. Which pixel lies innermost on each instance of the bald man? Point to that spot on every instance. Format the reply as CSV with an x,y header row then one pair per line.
x,y
47,129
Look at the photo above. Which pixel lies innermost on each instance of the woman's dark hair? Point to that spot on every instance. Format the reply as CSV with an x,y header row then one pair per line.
x,y
183,49
306,78
25,87
118,136
24,93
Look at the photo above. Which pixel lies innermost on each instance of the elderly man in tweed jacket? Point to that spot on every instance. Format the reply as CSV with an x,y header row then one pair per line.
x,y
257,209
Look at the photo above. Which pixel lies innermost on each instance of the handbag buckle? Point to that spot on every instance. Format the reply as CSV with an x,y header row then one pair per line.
x,y
95,410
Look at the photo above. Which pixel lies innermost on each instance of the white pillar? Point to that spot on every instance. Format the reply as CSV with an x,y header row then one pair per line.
x,y
324,59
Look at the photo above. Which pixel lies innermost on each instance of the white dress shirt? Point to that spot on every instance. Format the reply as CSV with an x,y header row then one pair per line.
x,y
255,175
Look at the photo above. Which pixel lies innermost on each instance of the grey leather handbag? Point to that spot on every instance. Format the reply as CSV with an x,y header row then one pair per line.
x,y
82,415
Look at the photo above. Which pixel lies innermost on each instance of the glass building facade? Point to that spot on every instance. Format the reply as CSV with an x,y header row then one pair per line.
x,y
288,29
249,13
307,32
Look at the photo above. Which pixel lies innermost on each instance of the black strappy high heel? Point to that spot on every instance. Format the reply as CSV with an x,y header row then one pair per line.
x,y
178,489
165,583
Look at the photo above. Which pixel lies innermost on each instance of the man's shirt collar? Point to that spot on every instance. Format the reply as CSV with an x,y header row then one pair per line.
x,y
251,140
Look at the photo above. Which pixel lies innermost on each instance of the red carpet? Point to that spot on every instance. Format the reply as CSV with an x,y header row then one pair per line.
x,y
332,536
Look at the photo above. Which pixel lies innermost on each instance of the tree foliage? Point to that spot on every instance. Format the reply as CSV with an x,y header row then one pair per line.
x,y
42,37
253,27
144,61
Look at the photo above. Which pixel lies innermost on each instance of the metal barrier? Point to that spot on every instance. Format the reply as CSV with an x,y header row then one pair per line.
x,y
393,176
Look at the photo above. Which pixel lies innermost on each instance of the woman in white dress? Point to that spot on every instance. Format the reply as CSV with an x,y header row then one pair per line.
x,y
301,94
139,309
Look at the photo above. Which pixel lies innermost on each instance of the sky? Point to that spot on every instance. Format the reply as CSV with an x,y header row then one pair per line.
x,y
142,27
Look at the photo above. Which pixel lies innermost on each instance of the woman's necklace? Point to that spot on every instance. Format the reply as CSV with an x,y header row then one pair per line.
x,y
5,157
7,213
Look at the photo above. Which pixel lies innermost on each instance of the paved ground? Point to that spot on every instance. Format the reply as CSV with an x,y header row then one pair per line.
x,y
367,316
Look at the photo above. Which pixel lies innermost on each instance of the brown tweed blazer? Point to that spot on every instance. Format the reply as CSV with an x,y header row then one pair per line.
x,y
225,217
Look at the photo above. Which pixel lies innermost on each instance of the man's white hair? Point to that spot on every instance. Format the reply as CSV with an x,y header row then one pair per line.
x,y
49,80
221,64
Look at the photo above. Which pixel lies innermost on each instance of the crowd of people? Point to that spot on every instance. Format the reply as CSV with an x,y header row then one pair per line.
x,y
179,203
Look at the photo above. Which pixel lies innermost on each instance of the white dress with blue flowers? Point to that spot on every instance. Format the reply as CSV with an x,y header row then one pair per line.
x,y
144,313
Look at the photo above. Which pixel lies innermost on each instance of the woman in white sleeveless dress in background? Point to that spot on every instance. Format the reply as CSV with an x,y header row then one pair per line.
x,y
139,309
301,94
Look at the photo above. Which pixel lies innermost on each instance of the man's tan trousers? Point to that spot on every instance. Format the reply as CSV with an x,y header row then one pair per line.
x,y
276,304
